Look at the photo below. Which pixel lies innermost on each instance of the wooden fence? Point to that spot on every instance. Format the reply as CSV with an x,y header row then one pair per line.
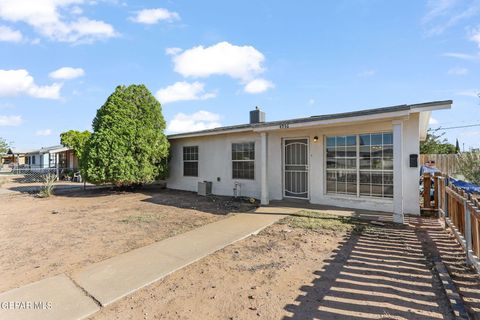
x,y
460,210
446,163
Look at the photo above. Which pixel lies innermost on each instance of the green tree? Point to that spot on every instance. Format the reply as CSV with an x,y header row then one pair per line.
x,y
75,140
457,147
127,146
4,146
434,144
469,166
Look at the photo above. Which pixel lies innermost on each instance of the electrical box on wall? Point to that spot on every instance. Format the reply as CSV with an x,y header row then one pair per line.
x,y
414,161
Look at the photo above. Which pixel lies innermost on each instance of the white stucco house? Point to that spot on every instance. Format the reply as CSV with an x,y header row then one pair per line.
x,y
363,159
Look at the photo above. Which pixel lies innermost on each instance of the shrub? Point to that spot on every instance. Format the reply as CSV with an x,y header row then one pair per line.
x,y
469,166
127,146
48,185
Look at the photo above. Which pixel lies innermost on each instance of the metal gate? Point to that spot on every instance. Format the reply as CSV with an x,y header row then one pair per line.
x,y
295,168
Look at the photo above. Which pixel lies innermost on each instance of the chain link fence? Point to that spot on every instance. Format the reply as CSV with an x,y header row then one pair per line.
x,y
30,180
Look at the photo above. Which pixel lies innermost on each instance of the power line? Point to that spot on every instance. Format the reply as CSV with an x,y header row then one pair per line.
x,y
458,127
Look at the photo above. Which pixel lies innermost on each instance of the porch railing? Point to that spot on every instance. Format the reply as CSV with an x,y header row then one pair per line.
x,y
459,209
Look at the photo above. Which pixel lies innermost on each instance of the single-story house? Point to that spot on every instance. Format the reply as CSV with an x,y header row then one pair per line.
x,y
363,159
52,157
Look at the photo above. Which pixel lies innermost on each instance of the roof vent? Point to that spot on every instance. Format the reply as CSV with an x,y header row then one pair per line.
x,y
257,116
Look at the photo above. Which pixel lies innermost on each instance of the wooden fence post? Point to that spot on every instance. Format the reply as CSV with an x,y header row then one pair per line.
x,y
426,190
436,189
468,228
447,214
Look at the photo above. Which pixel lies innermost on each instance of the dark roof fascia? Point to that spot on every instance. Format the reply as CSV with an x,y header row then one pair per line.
x,y
351,114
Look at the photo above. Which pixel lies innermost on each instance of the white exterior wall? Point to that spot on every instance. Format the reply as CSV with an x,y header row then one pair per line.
x,y
215,161
411,176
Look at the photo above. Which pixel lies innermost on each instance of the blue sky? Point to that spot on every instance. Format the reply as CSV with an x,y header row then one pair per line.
x,y
210,62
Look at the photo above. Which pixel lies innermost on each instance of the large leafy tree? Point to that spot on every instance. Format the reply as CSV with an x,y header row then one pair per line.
x,y
4,146
435,143
76,140
127,146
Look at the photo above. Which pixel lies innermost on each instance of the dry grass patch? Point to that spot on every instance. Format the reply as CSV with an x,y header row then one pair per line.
x,y
316,221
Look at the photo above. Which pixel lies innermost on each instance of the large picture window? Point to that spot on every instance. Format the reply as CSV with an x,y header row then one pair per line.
x,y
190,161
360,165
243,160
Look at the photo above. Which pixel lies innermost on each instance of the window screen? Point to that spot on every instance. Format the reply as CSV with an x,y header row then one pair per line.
x,y
243,160
190,161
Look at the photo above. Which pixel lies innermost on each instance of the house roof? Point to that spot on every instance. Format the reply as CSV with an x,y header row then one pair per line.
x,y
367,114
51,149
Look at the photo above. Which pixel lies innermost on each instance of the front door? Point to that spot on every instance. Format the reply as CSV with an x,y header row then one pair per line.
x,y
295,168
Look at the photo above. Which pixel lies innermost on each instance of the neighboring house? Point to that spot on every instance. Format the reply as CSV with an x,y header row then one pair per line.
x,y
362,159
13,157
52,157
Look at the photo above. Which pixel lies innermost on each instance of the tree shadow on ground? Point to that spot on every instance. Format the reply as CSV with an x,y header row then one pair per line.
x,y
190,200
378,273
59,189
155,194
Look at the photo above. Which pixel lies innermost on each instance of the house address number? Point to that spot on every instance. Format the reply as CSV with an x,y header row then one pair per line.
x,y
284,126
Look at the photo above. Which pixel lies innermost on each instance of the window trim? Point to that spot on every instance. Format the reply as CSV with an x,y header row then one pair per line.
x,y
254,158
357,196
190,161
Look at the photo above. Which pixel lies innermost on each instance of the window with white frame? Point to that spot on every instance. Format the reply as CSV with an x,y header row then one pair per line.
x,y
190,161
360,165
243,160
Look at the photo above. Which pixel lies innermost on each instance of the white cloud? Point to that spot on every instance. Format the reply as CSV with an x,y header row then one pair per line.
x,y
432,121
475,36
258,86
444,14
172,51
367,73
458,71
469,93
437,8
67,73
9,35
10,121
44,133
16,82
56,19
462,56
200,120
153,16
311,101
182,91
238,62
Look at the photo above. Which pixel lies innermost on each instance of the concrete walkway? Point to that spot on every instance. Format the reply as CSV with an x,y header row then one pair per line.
x,y
107,281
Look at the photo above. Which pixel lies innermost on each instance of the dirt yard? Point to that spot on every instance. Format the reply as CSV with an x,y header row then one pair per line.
x,y
305,267
45,237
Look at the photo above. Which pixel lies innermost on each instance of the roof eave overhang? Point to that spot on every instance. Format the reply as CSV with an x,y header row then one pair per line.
x,y
203,134
425,113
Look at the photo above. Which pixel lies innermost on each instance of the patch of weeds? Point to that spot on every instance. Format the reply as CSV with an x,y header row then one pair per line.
x,y
263,266
48,185
316,221
3,181
143,218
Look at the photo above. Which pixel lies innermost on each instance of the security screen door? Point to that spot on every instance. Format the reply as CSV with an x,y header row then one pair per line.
x,y
295,168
